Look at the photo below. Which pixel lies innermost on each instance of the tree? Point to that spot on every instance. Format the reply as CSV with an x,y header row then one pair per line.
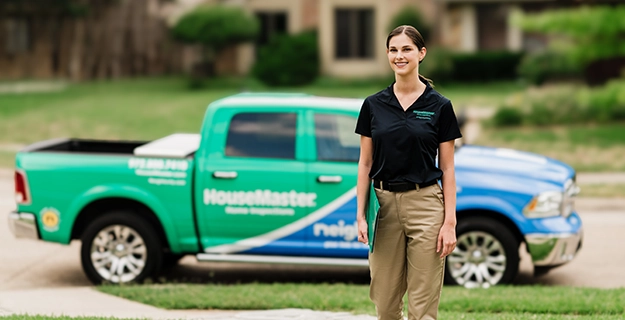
x,y
589,36
215,28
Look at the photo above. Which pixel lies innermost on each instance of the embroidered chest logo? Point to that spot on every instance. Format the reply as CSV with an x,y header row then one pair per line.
x,y
424,115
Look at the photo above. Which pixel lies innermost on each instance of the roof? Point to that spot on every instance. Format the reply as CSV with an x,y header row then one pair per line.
x,y
267,99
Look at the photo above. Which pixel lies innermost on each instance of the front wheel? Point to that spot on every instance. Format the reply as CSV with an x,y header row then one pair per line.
x,y
486,254
120,247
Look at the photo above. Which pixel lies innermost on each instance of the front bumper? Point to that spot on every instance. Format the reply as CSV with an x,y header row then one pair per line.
x,y
23,225
553,249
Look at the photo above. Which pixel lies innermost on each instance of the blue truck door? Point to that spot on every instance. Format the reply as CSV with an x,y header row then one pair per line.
x,y
333,177
254,192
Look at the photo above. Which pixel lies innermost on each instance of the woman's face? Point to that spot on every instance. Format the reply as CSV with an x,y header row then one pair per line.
x,y
403,54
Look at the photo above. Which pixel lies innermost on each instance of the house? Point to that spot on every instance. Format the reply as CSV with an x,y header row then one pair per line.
x,y
129,38
352,33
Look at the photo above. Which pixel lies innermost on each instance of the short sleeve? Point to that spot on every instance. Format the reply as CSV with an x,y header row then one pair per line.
x,y
448,128
363,125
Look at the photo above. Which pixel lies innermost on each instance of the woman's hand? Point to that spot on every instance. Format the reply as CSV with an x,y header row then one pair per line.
x,y
446,240
363,231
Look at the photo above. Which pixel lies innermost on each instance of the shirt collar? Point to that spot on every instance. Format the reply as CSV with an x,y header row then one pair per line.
x,y
388,95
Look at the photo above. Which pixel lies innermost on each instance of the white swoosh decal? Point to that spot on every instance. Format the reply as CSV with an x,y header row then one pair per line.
x,y
291,228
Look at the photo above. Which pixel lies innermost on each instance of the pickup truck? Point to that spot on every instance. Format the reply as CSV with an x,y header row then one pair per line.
x,y
271,178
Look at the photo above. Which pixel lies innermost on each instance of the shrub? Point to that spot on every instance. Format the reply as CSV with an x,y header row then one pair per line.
x,y
437,65
542,66
288,60
508,117
485,65
566,104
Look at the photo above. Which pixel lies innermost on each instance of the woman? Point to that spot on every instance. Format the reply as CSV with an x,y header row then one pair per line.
x,y
403,128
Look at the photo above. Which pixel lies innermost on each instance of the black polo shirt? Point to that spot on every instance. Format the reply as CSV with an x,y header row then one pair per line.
x,y
405,143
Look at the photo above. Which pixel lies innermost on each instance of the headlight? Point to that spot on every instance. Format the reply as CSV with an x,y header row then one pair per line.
x,y
545,204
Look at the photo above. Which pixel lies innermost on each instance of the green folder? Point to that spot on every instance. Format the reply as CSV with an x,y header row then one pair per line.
x,y
373,206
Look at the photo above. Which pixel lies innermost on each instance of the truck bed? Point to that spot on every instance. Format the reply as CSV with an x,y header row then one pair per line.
x,y
85,146
179,145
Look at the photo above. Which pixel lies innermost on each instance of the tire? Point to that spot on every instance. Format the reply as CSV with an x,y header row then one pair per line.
x,y
171,260
486,254
120,247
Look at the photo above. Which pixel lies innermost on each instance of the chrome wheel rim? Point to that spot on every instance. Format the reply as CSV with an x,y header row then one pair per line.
x,y
479,260
118,253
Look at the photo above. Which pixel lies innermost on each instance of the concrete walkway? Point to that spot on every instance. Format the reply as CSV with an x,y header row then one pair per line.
x,y
86,301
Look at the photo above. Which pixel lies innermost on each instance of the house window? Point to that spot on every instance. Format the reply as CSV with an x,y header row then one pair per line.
x,y
17,36
271,24
354,33
262,135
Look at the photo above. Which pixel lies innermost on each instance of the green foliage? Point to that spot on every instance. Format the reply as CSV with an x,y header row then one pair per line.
x,y
216,26
438,64
485,65
288,60
548,65
587,33
507,117
571,105
410,15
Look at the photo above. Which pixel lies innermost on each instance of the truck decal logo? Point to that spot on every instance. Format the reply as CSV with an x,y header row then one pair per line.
x,y
158,164
169,172
347,232
260,198
50,218
282,232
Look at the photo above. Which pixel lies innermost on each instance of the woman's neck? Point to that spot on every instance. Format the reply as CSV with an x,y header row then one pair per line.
x,y
408,83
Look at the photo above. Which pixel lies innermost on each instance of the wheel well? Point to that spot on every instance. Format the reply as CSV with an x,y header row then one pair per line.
x,y
494,215
101,207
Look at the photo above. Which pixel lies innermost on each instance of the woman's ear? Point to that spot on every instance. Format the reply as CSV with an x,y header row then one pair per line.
x,y
422,53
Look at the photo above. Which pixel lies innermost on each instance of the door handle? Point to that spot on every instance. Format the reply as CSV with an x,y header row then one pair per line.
x,y
225,174
329,179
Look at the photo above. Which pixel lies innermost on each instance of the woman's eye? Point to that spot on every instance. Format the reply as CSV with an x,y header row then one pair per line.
x,y
408,49
393,50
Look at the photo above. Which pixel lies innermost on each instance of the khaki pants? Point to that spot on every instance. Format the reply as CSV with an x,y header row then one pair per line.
x,y
404,257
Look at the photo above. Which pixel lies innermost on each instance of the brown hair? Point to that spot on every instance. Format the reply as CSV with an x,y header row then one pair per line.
x,y
414,35
411,32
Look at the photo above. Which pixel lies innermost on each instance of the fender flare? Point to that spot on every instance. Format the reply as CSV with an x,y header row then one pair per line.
x,y
126,192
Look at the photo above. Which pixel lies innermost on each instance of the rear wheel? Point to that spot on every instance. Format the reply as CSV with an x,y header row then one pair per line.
x,y
120,247
486,254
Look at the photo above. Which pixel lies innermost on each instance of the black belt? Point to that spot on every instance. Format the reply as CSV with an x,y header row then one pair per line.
x,y
401,186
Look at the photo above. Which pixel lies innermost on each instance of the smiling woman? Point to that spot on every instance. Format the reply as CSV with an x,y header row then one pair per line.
x,y
403,129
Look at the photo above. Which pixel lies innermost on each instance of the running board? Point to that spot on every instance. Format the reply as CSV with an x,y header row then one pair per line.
x,y
283,260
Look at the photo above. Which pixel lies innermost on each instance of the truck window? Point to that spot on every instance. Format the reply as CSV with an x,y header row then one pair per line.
x,y
336,140
262,135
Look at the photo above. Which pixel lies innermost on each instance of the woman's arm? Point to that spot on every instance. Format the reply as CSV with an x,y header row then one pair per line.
x,y
363,185
447,234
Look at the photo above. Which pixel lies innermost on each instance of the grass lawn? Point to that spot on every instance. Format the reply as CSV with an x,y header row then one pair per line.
x,y
147,109
442,315
586,148
515,302
7,159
